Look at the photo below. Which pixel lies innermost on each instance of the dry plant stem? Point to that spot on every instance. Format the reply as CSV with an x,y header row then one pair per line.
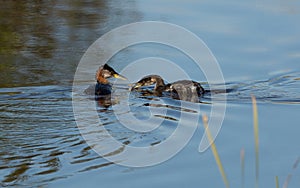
x,y
214,150
256,138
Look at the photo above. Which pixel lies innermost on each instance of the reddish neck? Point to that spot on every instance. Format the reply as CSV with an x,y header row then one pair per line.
x,y
100,78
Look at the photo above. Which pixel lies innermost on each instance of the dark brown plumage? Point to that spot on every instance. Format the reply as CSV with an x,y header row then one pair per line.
x,y
182,89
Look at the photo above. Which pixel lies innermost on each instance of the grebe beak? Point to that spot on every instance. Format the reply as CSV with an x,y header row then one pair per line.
x,y
135,86
119,76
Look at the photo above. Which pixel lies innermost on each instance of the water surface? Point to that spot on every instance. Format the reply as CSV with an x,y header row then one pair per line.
x,y
255,42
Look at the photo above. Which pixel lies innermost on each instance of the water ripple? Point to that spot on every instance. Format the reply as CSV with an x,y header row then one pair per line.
x,y
278,89
38,135
41,142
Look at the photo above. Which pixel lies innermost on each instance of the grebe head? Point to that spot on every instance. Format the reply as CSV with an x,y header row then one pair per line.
x,y
150,80
104,72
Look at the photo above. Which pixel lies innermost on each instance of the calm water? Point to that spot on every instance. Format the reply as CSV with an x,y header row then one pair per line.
x,y
255,42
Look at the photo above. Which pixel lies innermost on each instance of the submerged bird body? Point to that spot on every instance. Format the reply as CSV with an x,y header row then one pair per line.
x,y
185,86
102,89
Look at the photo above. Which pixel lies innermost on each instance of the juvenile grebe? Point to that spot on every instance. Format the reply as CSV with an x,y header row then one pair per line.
x,y
182,89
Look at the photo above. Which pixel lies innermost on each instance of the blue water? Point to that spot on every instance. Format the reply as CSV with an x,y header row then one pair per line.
x,y
256,44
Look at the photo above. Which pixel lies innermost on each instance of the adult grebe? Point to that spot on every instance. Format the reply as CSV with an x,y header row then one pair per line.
x,y
103,87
